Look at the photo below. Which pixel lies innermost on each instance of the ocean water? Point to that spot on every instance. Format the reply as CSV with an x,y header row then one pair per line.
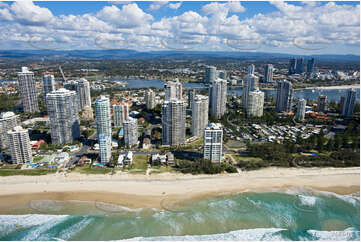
x,y
287,215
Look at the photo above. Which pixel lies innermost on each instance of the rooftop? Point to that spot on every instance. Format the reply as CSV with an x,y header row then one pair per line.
x,y
214,126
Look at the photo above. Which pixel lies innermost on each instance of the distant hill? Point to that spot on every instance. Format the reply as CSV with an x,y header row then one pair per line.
x,y
132,54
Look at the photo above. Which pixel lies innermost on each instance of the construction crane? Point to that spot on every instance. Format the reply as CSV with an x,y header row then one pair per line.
x,y
62,73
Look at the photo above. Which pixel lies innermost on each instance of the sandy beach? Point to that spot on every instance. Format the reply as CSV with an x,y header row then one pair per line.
x,y
135,191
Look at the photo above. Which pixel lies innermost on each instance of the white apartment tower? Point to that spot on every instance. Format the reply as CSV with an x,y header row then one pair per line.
x,y
173,90
120,113
83,92
213,139
130,131
173,122
199,115
105,148
149,99
284,96
48,84
63,116
8,121
104,128
301,109
29,97
255,104
102,116
218,97
19,143
250,83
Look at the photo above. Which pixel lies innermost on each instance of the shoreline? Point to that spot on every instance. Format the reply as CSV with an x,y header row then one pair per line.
x,y
139,191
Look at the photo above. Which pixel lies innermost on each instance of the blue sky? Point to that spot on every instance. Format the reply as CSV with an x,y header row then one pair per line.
x,y
283,27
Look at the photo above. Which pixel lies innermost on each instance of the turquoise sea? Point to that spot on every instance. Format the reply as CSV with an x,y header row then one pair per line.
x,y
287,215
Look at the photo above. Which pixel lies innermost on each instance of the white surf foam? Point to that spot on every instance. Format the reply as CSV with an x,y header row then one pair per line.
x,y
345,235
247,234
12,223
307,200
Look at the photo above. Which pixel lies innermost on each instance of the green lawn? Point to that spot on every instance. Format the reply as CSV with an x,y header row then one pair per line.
x,y
246,158
94,170
30,172
140,162
160,169
9,166
234,144
38,158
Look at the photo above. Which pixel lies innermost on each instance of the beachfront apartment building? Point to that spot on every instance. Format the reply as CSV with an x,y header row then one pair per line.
x,y
130,126
102,116
105,148
63,116
218,98
213,142
8,120
29,96
199,115
104,128
173,122
19,143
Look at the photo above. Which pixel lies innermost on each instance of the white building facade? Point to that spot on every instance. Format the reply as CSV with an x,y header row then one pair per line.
x,y
130,131
104,128
218,98
29,96
255,104
250,83
173,90
173,122
213,143
199,115
8,120
301,109
19,143
63,116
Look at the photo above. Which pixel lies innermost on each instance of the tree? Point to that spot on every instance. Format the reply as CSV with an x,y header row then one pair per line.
x,y
43,146
319,143
330,145
337,142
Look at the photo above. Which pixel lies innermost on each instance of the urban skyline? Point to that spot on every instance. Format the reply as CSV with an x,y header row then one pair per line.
x,y
179,120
